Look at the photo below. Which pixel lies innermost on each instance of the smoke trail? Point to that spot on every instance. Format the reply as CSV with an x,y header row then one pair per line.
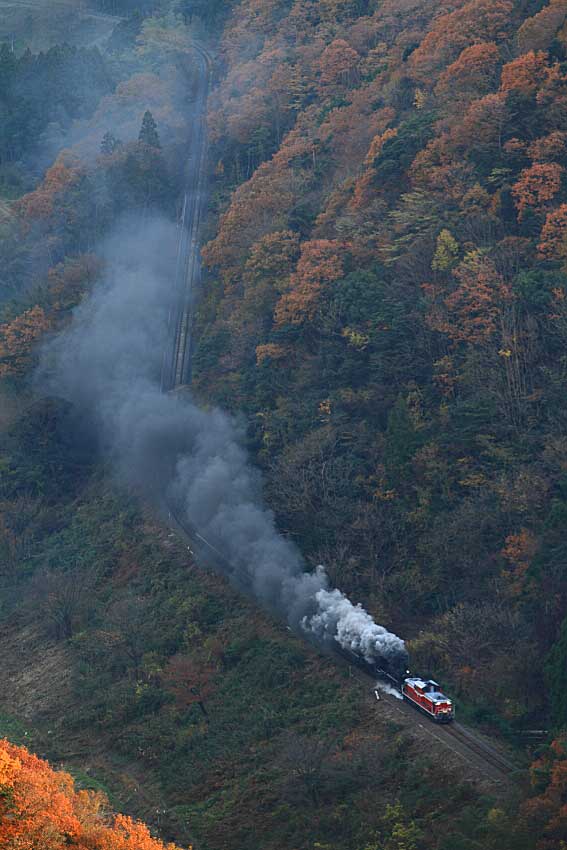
x,y
107,363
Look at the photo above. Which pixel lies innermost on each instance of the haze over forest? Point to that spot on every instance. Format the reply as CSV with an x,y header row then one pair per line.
x,y
244,485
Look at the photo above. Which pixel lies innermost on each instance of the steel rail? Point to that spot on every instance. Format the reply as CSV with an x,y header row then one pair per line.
x,y
176,366
177,371
455,737
482,749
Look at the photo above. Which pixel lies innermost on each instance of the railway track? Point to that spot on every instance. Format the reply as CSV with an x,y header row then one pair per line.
x,y
482,748
176,367
469,747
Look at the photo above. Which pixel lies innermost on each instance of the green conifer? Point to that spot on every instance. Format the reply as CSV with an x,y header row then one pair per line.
x,y
148,131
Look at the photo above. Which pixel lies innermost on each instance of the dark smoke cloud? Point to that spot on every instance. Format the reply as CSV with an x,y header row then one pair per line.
x,y
108,365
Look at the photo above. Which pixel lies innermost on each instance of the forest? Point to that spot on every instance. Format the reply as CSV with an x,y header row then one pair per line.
x,y
385,303
384,310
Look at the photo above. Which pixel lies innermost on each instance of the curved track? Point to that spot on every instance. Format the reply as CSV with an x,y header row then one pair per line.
x,y
472,750
480,756
487,753
464,749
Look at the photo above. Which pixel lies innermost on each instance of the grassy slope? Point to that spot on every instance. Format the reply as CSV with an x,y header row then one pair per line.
x,y
294,752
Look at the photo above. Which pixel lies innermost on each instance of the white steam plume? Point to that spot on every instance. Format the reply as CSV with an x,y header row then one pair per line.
x,y
352,627
387,689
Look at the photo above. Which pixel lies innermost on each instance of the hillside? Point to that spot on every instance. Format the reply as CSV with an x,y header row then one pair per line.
x,y
385,303
383,310
42,808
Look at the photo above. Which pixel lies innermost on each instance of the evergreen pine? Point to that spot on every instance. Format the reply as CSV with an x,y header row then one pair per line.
x,y
148,131
109,144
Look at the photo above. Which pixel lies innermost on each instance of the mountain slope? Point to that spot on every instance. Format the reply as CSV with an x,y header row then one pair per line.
x,y
386,295
384,305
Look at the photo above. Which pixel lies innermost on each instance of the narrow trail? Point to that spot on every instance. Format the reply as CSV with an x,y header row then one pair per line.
x,y
479,757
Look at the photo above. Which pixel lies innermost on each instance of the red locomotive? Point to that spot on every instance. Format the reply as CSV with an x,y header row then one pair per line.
x,y
427,696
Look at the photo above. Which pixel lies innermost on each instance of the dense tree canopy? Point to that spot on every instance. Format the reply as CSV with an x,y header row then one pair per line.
x,y
418,164
51,88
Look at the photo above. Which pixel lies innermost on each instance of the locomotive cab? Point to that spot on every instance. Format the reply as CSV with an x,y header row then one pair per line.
x,y
427,696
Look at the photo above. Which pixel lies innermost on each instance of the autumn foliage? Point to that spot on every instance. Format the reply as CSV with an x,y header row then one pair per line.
x,y
470,76
525,74
18,339
63,174
190,682
546,811
470,312
386,306
338,63
538,32
537,186
519,552
548,148
554,234
320,263
42,808
476,21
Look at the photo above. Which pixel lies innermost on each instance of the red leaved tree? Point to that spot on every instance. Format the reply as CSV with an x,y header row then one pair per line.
x,y
190,682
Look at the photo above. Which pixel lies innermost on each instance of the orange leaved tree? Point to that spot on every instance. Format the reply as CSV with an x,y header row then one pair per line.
x,y
321,262
18,339
553,243
65,172
40,807
470,76
338,64
526,74
546,813
475,22
538,32
472,312
537,186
